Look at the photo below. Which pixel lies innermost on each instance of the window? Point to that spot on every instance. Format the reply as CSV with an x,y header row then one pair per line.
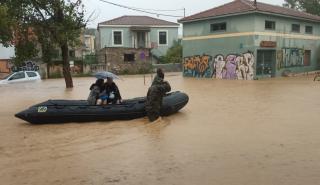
x,y
129,57
6,77
295,28
117,37
307,57
270,25
163,37
309,29
218,27
31,74
17,76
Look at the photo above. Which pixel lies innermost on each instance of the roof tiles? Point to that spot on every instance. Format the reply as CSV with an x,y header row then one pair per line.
x,y
245,6
138,20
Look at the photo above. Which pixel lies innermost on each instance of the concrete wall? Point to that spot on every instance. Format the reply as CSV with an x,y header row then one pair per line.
x,y
6,53
283,24
243,23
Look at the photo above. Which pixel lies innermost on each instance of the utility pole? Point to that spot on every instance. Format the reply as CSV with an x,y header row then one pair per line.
x,y
105,61
184,12
255,3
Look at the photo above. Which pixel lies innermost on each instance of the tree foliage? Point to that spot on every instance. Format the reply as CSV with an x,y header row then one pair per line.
x,y
6,22
55,23
309,6
60,23
14,31
25,49
291,4
174,53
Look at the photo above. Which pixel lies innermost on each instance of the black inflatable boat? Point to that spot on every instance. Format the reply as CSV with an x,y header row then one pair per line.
x,y
64,111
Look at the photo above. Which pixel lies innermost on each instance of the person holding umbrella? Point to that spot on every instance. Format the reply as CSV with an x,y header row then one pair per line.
x,y
110,92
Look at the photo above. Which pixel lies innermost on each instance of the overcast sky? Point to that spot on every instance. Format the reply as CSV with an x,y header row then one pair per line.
x,y
103,11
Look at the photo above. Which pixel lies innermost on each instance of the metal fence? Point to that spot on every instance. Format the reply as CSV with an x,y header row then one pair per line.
x,y
172,67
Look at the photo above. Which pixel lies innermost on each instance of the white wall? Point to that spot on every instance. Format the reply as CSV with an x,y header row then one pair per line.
x,y
6,53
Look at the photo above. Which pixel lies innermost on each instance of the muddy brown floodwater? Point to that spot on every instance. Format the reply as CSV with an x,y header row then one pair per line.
x,y
231,133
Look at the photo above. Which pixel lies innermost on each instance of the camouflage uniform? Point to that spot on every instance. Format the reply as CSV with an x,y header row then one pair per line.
x,y
154,97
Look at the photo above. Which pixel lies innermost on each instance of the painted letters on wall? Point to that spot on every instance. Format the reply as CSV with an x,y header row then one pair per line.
x,y
232,66
197,66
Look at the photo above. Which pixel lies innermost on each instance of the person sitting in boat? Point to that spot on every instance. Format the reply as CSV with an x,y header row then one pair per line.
x,y
111,93
155,95
95,90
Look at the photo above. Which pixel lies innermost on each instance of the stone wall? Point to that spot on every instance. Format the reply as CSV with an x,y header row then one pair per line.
x,y
114,59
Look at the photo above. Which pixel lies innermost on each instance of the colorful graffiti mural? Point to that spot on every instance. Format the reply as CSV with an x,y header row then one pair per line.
x,y
197,66
233,66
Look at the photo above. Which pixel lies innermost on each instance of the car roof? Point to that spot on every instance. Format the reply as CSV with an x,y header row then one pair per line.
x,y
26,71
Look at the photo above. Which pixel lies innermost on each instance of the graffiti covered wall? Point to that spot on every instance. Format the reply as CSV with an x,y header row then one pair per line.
x,y
232,66
197,66
290,57
26,66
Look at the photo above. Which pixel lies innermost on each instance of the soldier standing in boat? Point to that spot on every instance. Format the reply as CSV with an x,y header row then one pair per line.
x,y
155,95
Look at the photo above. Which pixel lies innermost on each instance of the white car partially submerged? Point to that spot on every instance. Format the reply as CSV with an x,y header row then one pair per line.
x,y
21,76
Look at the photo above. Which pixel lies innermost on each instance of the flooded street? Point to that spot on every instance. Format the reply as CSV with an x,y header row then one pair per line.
x,y
231,133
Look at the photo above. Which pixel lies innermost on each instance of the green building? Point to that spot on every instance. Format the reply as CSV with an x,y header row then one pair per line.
x,y
128,39
247,40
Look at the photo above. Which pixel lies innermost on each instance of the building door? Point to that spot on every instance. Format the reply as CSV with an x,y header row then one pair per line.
x,y
307,57
266,63
141,37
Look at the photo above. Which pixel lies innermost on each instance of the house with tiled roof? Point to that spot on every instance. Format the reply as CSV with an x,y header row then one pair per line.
x,y
249,39
130,39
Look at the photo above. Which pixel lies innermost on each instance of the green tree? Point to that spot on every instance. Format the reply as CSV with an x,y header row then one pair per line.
x,y
291,4
25,48
6,35
14,31
174,53
54,23
61,23
310,6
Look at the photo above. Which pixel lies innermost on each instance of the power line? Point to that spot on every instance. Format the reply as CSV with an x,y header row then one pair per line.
x,y
159,10
140,10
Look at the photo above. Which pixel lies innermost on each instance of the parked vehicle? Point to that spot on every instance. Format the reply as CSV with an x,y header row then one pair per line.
x,y
21,76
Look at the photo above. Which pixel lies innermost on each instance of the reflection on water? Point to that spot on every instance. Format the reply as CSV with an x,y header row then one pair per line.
x,y
231,132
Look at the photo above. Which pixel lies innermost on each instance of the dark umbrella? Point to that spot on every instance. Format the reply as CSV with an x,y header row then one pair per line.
x,y
105,74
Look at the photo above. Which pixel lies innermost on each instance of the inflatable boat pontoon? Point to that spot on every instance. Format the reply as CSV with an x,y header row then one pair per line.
x,y
64,111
